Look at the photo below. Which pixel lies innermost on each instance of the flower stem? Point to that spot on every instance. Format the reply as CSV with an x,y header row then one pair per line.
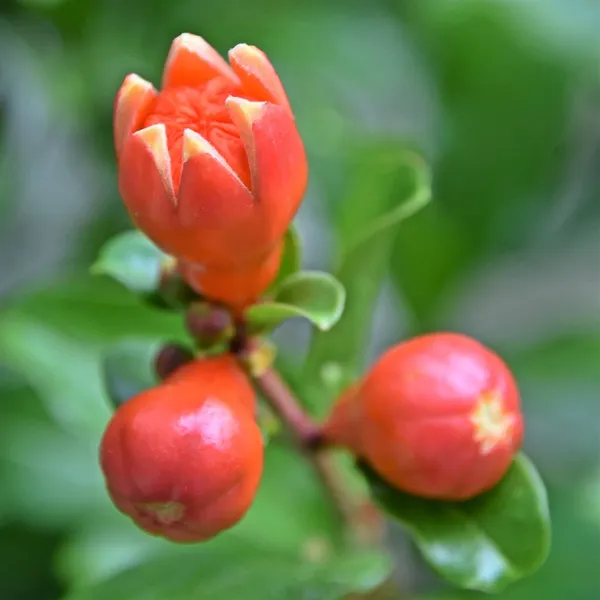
x,y
286,406
357,515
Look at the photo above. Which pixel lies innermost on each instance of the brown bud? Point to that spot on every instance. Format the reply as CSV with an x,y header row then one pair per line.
x,y
170,357
209,324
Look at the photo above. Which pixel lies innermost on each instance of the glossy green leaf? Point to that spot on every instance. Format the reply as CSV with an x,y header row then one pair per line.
x,y
222,570
291,260
312,295
127,368
133,260
484,543
571,571
397,184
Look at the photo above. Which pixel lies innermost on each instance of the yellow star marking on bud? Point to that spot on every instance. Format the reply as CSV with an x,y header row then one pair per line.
x,y
492,424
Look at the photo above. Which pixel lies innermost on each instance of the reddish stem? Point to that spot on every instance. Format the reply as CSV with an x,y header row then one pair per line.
x,y
287,407
308,438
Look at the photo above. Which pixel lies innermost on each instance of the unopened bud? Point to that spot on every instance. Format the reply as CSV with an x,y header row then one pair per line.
x,y
209,324
170,358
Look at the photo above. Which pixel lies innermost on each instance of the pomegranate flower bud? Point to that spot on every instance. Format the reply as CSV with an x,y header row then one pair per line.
x,y
438,416
211,168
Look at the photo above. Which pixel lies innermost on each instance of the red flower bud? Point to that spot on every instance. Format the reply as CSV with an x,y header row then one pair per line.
x,y
437,416
212,167
184,459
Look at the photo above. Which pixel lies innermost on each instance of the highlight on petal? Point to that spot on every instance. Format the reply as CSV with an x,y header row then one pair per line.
x,y
132,104
259,78
146,187
244,113
277,160
155,140
192,61
194,144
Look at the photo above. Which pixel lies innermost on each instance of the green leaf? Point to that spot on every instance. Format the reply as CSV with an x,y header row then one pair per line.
x,y
39,462
562,356
54,339
488,203
484,543
571,570
133,260
388,184
90,309
313,295
292,256
106,545
292,497
222,570
127,368
400,211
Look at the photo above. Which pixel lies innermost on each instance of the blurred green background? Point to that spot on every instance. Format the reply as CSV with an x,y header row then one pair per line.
x,y
503,99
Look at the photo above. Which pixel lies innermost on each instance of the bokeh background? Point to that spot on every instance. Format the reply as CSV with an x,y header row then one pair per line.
x,y
503,99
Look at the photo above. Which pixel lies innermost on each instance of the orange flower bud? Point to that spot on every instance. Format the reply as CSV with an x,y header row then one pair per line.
x,y
212,167
184,459
437,416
